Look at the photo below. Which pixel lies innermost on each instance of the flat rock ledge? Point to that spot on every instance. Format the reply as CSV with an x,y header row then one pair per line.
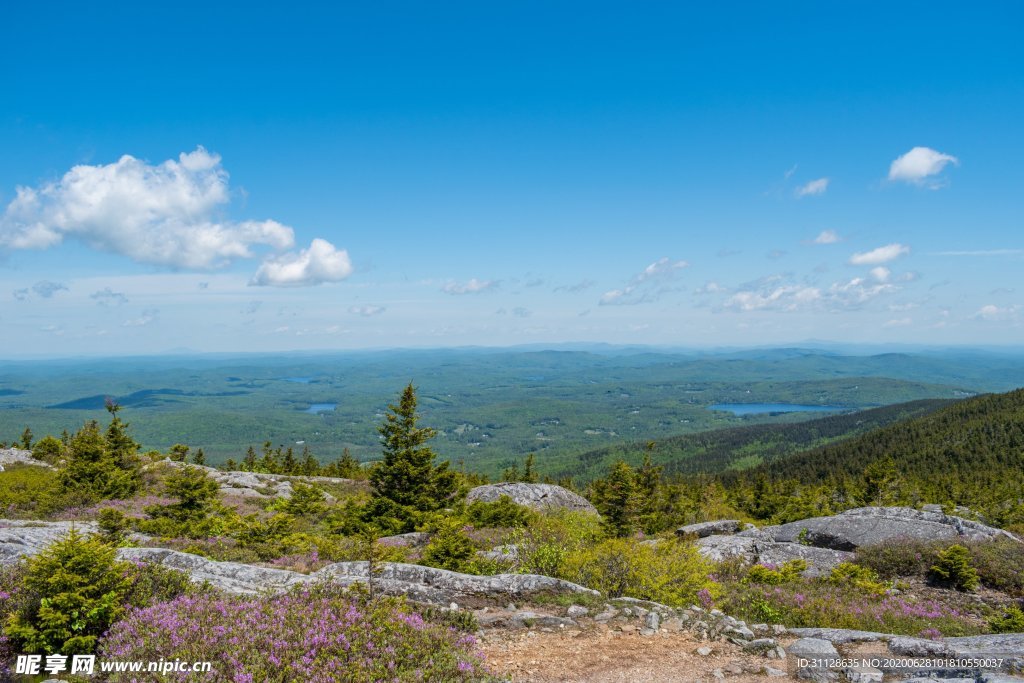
x,y
536,496
418,583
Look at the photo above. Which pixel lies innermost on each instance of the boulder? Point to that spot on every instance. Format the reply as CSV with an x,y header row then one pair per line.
x,y
852,529
20,538
536,496
704,529
413,539
720,548
19,456
819,560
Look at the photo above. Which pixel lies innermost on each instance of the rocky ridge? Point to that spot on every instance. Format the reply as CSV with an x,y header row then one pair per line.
x,y
536,496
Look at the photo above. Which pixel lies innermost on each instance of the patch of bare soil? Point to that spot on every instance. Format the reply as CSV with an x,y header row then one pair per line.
x,y
602,655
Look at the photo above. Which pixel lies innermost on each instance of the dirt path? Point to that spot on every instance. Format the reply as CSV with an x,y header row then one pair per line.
x,y
601,655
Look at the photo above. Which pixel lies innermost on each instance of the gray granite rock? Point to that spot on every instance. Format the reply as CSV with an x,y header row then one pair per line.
x,y
19,456
413,539
536,496
704,529
811,647
255,484
839,636
20,538
819,560
852,529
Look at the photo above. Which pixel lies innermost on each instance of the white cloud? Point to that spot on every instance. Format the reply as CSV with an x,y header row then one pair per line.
x,y
108,297
148,316
898,322
366,311
815,187
781,297
321,262
919,165
646,286
879,255
881,273
165,215
827,237
473,286
994,313
856,292
47,289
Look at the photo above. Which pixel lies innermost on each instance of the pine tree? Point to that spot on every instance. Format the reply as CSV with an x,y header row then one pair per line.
x,y
529,474
620,500
407,474
347,467
26,439
249,462
200,457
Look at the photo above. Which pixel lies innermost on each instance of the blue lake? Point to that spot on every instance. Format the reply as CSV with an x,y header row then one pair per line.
x,y
318,408
300,380
758,408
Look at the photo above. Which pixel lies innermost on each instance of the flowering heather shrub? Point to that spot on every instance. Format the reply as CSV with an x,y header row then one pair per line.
x,y
820,604
315,634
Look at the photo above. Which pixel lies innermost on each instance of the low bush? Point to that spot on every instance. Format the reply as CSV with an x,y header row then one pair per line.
x,y
953,568
31,491
544,545
316,634
899,557
671,572
861,578
449,548
774,575
818,603
71,593
1010,621
503,512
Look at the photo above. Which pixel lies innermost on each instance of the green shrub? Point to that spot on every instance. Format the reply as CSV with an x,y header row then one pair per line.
x,y
671,572
503,512
102,465
850,574
772,575
953,568
1000,564
449,548
48,449
113,524
1011,621
306,500
544,545
899,557
73,591
31,491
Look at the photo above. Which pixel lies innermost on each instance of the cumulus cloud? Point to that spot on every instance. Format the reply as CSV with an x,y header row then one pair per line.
x,y
108,297
780,293
166,214
149,315
815,187
826,237
366,311
920,165
881,273
321,262
880,255
646,286
473,286
993,313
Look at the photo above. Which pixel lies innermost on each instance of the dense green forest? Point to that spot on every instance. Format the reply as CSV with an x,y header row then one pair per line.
x,y
736,447
491,407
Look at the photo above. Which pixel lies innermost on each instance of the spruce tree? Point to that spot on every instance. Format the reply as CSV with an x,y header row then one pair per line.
x,y
407,475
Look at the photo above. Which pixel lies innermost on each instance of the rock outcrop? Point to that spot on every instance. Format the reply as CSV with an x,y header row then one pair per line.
x,y
418,583
536,496
256,484
824,542
705,529
19,456
20,538
852,529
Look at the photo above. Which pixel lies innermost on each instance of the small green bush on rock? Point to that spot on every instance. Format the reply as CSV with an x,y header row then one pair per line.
x,y
953,568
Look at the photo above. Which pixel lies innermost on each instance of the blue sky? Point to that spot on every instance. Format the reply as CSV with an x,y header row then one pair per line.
x,y
276,177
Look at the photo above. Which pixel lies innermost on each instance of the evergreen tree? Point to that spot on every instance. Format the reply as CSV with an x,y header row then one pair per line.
x,y
200,457
529,474
310,465
619,500
289,465
407,475
347,467
26,439
249,462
